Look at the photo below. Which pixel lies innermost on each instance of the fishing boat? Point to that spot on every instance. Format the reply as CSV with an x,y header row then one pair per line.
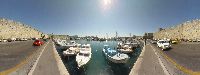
x,y
115,56
72,50
83,57
61,44
127,47
71,44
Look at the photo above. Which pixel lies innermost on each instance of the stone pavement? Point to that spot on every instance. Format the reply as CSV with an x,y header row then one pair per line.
x,y
148,63
47,64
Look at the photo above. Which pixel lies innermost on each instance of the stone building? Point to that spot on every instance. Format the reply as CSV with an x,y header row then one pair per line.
x,y
186,30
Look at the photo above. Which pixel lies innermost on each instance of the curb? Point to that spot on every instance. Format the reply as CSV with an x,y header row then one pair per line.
x,y
61,66
137,64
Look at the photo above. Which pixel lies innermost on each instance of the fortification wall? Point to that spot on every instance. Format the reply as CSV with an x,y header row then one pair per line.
x,y
186,30
12,29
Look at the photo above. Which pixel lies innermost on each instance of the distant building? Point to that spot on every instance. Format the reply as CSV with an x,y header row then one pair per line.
x,y
126,38
148,35
74,37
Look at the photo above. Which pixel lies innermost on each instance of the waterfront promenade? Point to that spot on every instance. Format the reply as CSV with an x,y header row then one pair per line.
x,y
48,63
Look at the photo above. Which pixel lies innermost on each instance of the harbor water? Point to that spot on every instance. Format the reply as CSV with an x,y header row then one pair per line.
x,y
98,64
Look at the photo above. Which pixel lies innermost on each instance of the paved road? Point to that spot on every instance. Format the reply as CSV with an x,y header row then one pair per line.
x,y
47,64
12,53
186,54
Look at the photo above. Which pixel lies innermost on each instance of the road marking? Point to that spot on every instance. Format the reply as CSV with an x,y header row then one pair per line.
x,y
181,68
161,63
35,64
8,71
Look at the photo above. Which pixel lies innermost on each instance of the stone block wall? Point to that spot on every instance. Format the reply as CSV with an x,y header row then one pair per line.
x,y
186,30
12,29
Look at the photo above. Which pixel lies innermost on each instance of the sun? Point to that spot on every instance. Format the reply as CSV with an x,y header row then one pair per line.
x,y
107,4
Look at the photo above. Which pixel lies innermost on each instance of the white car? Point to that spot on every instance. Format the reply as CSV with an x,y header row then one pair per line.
x,y
4,40
164,44
153,41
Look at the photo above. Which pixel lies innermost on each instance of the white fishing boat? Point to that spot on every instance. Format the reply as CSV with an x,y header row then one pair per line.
x,y
115,56
71,44
61,44
127,47
83,57
72,50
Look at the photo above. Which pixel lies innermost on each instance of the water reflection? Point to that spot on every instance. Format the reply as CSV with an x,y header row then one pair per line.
x,y
98,64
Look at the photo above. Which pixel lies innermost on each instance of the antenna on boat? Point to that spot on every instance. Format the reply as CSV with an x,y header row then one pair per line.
x,y
106,37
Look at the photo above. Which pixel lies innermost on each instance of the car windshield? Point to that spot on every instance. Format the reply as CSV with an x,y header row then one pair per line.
x,y
164,41
37,41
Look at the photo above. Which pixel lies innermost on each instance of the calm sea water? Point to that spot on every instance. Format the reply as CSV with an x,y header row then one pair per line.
x,y
98,65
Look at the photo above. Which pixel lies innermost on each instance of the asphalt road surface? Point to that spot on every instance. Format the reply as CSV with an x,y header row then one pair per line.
x,y
12,53
185,54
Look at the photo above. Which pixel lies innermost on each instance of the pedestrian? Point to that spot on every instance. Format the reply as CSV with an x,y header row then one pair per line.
x,y
145,41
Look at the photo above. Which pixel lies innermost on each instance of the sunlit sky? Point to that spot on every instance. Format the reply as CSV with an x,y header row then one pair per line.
x,y
98,17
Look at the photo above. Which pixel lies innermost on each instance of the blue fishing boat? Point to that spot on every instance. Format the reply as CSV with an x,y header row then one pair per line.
x,y
115,56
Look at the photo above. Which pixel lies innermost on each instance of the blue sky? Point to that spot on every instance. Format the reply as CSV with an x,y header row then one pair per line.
x,y
98,17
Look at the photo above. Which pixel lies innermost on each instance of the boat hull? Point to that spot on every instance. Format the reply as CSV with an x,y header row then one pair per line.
x,y
81,61
115,60
125,51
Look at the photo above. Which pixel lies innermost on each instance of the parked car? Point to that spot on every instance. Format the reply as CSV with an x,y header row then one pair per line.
x,y
25,39
11,39
174,42
45,40
163,44
38,43
194,40
198,40
153,41
21,39
4,40
34,38
190,40
17,39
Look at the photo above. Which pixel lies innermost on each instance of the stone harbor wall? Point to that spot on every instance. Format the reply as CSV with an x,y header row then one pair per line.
x,y
12,29
186,30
